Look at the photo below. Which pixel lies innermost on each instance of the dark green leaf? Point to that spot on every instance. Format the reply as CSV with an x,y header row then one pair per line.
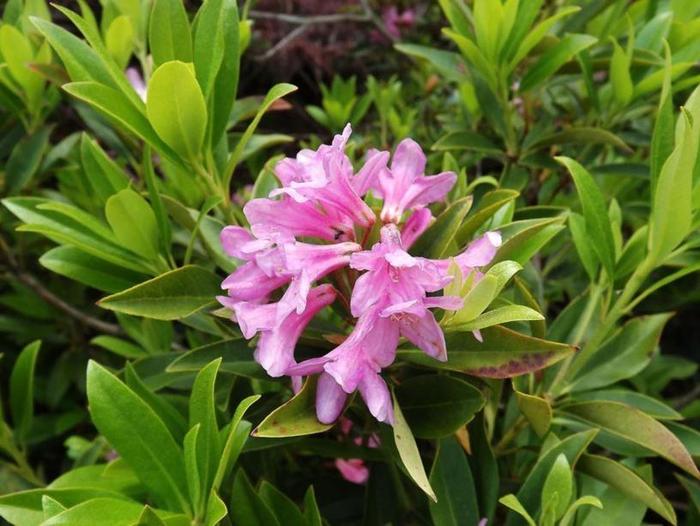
x,y
452,481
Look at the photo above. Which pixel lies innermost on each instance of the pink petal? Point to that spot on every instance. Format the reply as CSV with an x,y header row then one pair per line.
x,y
233,238
353,470
368,175
252,317
425,333
330,399
415,225
249,283
376,395
480,252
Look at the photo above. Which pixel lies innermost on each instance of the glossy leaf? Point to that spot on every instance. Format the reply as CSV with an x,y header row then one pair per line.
x,y
170,296
452,481
176,108
169,35
152,452
297,417
436,240
237,356
133,223
436,406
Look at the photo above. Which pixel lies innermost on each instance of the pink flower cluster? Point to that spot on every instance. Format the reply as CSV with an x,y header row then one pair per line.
x,y
321,201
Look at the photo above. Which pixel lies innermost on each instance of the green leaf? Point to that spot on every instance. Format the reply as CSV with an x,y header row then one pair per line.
x,y
579,135
297,417
176,108
133,223
499,316
466,141
169,35
247,509
276,92
523,239
537,411
194,482
450,65
157,202
624,354
118,412
25,159
84,268
452,480
22,390
530,491
25,507
282,506
226,83
208,43
311,511
503,353
512,502
555,58
558,487
119,40
588,500
232,448
408,452
620,76
112,511
117,107
436,406
672,208
148,517
436,240
105,176
237,356
651,406
631,424
170,296
202,411
662,138
595,212
577,226
119,347
489,204
626,481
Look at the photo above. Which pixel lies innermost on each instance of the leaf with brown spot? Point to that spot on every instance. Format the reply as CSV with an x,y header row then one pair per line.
x,y
503,353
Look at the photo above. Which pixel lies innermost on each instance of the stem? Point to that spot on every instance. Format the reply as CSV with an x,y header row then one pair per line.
x,y
510,435
621,306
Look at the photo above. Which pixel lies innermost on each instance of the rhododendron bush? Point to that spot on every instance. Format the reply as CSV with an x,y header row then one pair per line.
x,y
445,273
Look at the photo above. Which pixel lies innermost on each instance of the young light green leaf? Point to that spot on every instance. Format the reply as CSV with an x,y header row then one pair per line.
x,y
512,502
133,223
555,58
408,452
537,410
577,225
176,108
558,487
170,296
588,500
230,451
620,77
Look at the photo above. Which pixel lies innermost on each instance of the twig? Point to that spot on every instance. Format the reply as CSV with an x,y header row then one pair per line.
x,y
309,20
50,298
284,42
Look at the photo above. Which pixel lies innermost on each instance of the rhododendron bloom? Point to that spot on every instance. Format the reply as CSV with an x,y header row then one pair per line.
x,y
315,227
